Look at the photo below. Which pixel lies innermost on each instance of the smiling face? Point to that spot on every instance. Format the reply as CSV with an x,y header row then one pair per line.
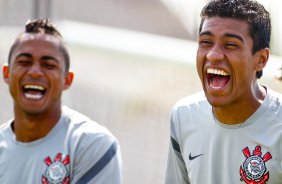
x,y
225,62
36,75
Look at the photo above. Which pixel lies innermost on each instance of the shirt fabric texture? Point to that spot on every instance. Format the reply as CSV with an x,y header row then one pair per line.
x,y
77,150
206,151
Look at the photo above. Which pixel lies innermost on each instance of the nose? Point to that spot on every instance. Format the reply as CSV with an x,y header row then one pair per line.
x,y
35,70
215,54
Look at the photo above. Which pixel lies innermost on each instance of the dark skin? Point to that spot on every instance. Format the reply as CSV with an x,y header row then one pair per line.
x,y
225,47
36,77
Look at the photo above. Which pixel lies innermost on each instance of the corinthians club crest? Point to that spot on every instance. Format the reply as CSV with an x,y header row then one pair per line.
x,y
56,172
254,170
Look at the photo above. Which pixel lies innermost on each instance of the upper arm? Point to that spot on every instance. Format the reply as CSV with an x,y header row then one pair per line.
x,y
97,159
176,172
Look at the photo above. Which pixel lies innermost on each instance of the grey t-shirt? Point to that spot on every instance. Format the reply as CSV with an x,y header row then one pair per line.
x,y
205,151
76,150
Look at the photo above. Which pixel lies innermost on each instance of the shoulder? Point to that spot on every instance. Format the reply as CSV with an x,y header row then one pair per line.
x,y
95,150
189,110
5,132
5,126
86,131
194,101
274,94
275,102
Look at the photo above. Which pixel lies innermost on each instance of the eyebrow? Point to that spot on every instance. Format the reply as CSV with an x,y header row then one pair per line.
x,y
24,55
234,36
208,33
49,58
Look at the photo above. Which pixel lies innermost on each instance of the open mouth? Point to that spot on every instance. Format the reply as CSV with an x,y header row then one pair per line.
x,y
217,79
34,92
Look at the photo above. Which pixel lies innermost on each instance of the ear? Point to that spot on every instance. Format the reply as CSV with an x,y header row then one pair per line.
x,y
262,59
6,73
68,79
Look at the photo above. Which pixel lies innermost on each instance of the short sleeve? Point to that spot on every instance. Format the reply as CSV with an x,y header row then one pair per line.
x,y
176,172
96,158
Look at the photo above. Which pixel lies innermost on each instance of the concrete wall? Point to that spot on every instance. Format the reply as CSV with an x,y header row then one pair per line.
x,y
146,15
178,19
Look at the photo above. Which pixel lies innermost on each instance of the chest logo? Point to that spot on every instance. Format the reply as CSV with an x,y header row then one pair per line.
x,y
253,170
57,171
193,157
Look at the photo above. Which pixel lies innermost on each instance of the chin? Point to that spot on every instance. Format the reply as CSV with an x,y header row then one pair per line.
x,y
217,101
33,112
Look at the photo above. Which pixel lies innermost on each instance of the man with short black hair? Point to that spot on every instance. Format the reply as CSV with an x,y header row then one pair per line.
x,y
45,142
231,132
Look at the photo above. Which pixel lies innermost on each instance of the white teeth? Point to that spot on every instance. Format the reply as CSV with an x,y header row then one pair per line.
x,y
217,72
33,96
34,87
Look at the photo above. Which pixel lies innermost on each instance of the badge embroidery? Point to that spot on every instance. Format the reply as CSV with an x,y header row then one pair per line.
x,y
254,170
56,172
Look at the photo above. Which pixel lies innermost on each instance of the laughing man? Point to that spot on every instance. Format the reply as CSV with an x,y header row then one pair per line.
x,y
231,132
45,142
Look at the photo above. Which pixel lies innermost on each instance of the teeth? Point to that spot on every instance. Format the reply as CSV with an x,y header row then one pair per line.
x,y
41,88
33,96
217,72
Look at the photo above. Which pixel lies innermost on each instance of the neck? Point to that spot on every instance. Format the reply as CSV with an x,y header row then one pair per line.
x,y
30,127
238,113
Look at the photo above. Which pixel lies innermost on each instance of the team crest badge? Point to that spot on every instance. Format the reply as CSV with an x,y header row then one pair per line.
x,y
56,172
253,170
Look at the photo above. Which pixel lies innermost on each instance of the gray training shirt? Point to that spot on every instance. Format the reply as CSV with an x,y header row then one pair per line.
x,y
205,151
77,150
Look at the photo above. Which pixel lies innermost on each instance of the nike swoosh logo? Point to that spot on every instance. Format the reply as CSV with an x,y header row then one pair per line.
x,y
193,157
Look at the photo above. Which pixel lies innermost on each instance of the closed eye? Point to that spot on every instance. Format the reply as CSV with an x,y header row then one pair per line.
x,y
231,45
49,64
205,43
24,62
